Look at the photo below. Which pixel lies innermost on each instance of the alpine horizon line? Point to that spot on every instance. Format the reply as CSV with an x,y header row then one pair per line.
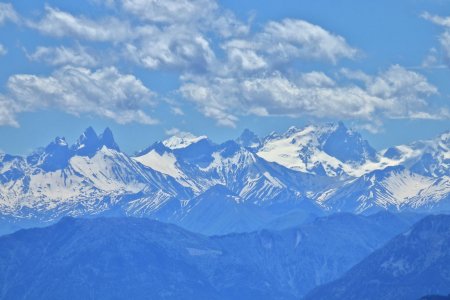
x,y
236,186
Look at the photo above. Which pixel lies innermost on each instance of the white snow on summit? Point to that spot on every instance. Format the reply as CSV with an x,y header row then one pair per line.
x,y
182,140
303,150
326,167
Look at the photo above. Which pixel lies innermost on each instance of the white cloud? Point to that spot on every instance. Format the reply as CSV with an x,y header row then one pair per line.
x,y
7,13
401,83
316,79
438,20
302,39
3,50
76,90
444,39
246,59
445,44
170,47
151,45
7,112
250,79
203,15
58,23
285,41
177,34
395,93
170,11
57,56
177,111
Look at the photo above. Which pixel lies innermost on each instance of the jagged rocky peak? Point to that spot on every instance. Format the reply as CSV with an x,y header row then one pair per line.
x,y
61,141
292,130
89,142
56,155
249,139
346,145
229,148
56,145
107,139
330,149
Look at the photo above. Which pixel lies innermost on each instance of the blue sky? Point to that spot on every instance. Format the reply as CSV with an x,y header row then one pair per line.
x,y
149,68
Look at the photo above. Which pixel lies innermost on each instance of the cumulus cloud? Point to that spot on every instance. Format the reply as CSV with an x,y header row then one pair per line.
x,y
444,39
398,82
58,23
315,78
177,34
170,11
285,41
7,112
75,90
58,56
177,111
151,45
394,93
445,44
170,47
438,20
7,13
204,15
227,70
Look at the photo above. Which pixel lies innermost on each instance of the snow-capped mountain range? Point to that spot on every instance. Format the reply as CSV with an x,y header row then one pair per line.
x,y
238,185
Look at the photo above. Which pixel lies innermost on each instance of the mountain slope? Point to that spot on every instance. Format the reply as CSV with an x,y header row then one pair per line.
x,y
411,265
203,165
331,150
117,258
88,178
278,180
219,211
390,188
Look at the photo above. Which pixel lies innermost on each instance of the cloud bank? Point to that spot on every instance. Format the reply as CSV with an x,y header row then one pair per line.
x,y
75,90
227,67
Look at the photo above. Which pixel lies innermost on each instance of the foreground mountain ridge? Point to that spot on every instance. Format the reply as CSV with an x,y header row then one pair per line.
x,y
248,183
121,258
411,265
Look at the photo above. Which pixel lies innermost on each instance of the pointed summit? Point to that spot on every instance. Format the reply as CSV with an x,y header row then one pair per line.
x,y
292,130
56,155
248,139
107,139
89,134
346,145
87,143
330,147
59,142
